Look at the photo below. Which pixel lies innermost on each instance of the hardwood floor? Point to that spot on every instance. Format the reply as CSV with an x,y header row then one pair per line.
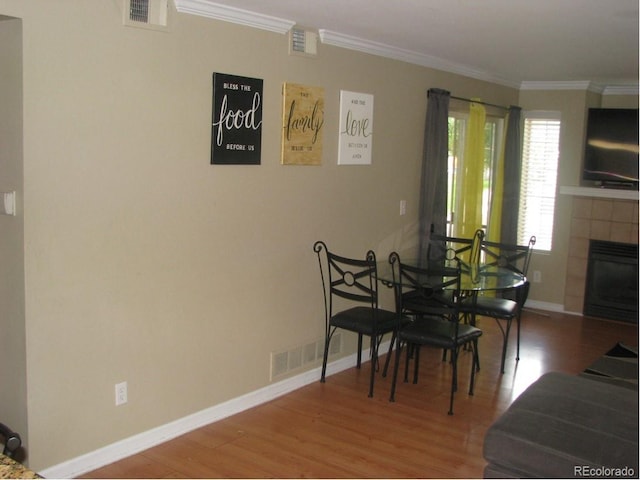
x,y
333,430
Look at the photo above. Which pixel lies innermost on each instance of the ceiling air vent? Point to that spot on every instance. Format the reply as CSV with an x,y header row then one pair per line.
x,y
146,14
303,42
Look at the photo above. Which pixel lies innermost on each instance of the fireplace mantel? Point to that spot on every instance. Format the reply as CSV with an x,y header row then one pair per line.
x,y
600,192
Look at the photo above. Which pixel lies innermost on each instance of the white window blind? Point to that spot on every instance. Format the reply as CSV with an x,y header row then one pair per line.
x,y
540,153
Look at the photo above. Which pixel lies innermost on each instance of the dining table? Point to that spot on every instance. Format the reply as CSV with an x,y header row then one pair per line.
x,y
474,278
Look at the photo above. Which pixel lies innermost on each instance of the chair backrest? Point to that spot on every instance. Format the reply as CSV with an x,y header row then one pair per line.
x,y
426,284
515,257
348,278
466,250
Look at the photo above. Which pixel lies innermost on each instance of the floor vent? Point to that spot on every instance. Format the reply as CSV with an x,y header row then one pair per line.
x,y
294,359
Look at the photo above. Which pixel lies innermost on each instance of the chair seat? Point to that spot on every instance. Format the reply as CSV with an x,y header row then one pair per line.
x,y
491,307
434,303
438,333
358,319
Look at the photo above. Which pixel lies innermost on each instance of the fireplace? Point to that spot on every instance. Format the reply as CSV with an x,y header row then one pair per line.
x,y
611,289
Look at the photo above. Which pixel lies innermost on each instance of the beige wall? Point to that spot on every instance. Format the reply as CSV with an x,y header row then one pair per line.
x,y
143,262
13,367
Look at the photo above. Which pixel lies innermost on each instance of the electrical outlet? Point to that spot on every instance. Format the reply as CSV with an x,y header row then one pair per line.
x,y
121,393
537,276
403,207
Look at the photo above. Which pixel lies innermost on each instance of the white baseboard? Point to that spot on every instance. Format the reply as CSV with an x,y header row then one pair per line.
x,y
547,307
137,443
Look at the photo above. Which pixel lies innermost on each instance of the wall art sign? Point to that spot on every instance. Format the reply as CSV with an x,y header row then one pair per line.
x,y
356,128
236,128
302,122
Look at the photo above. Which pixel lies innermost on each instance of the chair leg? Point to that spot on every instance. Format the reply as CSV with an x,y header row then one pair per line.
x,y
378,341
454,357
416,365
392,396
325,357
474,346
374,363
411,353
386,362
505,341
359,361
454,378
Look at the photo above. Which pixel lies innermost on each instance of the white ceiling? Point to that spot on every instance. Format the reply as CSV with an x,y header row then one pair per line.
x,y
506,41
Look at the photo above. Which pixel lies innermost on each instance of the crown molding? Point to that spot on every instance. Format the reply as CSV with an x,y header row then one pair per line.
x,y
225,13
578,85
629,89
336,39
206,8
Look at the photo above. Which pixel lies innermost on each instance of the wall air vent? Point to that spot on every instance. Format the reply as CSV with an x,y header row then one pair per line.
x,y
139,11
150,14
303,42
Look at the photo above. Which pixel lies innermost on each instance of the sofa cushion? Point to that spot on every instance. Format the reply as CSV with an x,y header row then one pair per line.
x,y
562,424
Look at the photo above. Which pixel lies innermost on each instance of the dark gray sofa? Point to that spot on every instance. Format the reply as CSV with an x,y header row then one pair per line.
x,y
566,426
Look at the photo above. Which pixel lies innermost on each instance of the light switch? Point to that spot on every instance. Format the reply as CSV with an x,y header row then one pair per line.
x,y
403,207
8,206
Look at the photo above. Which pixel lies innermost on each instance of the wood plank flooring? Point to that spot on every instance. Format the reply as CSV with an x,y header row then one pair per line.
x,y
333,430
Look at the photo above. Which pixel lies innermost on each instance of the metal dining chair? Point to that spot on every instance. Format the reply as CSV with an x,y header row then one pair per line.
x,y
356,281
436,324
506,306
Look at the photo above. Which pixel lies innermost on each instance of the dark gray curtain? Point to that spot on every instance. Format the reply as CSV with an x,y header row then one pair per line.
x,y
433,186
512,171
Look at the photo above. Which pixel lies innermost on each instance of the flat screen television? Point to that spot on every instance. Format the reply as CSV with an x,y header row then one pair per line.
x,y
611,148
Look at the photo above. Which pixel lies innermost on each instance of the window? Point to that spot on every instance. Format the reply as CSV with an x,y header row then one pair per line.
x,y
492,135
540,151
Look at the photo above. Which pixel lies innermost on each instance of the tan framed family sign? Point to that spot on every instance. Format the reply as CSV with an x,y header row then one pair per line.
x,y
302,124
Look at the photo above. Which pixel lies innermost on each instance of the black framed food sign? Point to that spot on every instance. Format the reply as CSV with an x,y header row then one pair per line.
x,y
236,127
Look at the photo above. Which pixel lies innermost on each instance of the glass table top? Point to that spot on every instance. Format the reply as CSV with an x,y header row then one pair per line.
x,y
473,277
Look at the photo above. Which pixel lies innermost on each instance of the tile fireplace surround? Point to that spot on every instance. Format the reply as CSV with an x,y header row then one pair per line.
x,y
598,218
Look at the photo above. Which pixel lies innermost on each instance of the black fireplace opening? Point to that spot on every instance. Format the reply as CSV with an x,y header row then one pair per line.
x,y
611,290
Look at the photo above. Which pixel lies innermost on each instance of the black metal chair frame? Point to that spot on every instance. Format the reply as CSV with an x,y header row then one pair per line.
x,y
437,318
508,306
464,250
456,247
355,280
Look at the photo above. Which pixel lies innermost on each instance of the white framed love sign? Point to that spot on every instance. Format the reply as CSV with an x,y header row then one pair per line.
x,y
356,128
